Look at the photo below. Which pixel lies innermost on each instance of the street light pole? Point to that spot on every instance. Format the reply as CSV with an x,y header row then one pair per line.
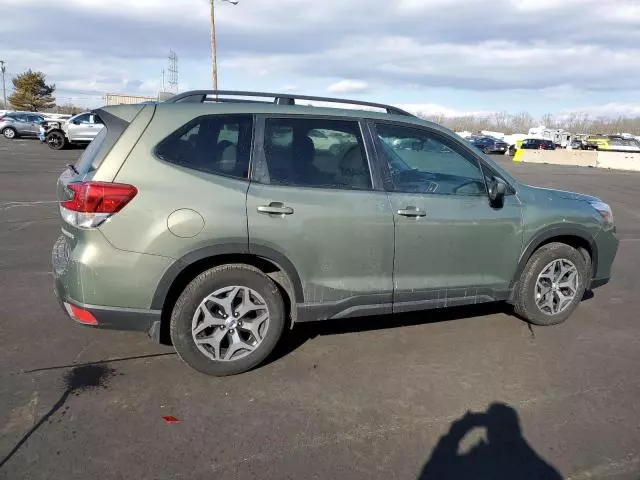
x,y
3,69
213,44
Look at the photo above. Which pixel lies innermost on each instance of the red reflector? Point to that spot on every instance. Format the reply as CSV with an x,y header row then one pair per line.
x,y
83,316
99,197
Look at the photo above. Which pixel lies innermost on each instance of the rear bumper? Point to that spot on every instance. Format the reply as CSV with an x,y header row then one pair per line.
x,y
101,286
112,318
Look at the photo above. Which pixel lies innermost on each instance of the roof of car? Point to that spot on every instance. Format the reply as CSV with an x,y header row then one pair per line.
x,y
196,109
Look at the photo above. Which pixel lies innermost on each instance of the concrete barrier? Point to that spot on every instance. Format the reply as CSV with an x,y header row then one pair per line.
x,y
619,160
580,158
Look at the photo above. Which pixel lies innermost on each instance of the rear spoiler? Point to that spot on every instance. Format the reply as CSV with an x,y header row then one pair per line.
x,y
115,116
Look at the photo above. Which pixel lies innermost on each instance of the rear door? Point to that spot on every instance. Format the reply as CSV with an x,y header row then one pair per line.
x,y
314,203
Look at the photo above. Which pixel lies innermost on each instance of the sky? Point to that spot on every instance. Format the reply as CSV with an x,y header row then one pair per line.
x,y
450,57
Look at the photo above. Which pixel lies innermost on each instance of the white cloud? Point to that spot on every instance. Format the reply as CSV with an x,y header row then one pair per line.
x,y
349,86
549,50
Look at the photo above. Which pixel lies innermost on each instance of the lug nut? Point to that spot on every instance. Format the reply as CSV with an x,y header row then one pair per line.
x,y
232,331
235,314
221,327
240,323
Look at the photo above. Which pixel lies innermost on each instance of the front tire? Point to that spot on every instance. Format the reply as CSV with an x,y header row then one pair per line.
x,y
10,133
552,284
227,320
56,140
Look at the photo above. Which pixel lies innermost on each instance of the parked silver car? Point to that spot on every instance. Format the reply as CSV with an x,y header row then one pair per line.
x,y
17,124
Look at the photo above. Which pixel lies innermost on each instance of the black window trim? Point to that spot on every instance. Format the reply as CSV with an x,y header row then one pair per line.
x,y
259,156
154,151
465,146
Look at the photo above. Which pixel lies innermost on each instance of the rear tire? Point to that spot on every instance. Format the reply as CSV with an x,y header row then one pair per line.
x,y
56,140
10,133
233,300
543,274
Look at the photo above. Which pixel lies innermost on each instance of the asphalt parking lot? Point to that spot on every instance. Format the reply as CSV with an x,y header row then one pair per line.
x,y
359,399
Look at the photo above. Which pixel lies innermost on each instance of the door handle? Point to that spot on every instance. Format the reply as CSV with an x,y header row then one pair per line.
x,y
412,212
275,208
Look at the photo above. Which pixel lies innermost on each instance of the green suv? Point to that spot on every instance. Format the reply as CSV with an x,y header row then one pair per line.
x,y
218,223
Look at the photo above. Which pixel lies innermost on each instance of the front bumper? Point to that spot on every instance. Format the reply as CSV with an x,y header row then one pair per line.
x,y
607,246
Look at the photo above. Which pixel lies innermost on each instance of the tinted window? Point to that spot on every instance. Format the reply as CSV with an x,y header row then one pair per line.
x,y
82,119
315,153
219,144
421,162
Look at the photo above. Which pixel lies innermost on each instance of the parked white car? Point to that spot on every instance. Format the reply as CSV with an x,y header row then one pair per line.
x,y
79,129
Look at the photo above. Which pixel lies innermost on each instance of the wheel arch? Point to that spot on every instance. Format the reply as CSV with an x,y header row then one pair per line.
x,y
271,262
574,236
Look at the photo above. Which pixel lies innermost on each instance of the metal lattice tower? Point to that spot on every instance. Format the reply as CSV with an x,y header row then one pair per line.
x,y
173,72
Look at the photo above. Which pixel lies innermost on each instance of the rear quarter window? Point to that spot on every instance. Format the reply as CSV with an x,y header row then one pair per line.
x,y
218,144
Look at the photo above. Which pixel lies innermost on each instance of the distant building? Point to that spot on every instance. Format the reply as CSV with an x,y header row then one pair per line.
x,y
119,99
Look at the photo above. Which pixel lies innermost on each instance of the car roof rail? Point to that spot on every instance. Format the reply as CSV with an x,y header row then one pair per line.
x,y
222,96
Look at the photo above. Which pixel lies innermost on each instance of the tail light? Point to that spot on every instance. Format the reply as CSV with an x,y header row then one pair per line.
x,y
94,202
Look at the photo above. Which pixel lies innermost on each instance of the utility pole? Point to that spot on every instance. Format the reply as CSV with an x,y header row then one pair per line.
x,y
3,68
213,43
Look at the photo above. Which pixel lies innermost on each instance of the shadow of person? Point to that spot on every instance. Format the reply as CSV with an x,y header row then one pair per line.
x,y
504,455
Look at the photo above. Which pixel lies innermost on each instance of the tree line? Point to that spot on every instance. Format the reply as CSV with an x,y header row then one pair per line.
x,y
522,122
32,93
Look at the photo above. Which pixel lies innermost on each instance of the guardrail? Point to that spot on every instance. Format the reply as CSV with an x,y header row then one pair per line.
x,y
581,158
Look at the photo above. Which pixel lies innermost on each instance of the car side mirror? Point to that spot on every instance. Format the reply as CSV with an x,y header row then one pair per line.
x,y
497,191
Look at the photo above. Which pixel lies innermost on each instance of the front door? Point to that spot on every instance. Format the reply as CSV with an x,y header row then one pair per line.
x,y
451,245
80,129
312,200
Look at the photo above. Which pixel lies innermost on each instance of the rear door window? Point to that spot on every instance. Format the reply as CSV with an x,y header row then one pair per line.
x,y
313,152
218,144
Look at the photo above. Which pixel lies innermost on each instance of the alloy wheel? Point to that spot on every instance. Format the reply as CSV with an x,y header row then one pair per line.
x,y
230,323
556,286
